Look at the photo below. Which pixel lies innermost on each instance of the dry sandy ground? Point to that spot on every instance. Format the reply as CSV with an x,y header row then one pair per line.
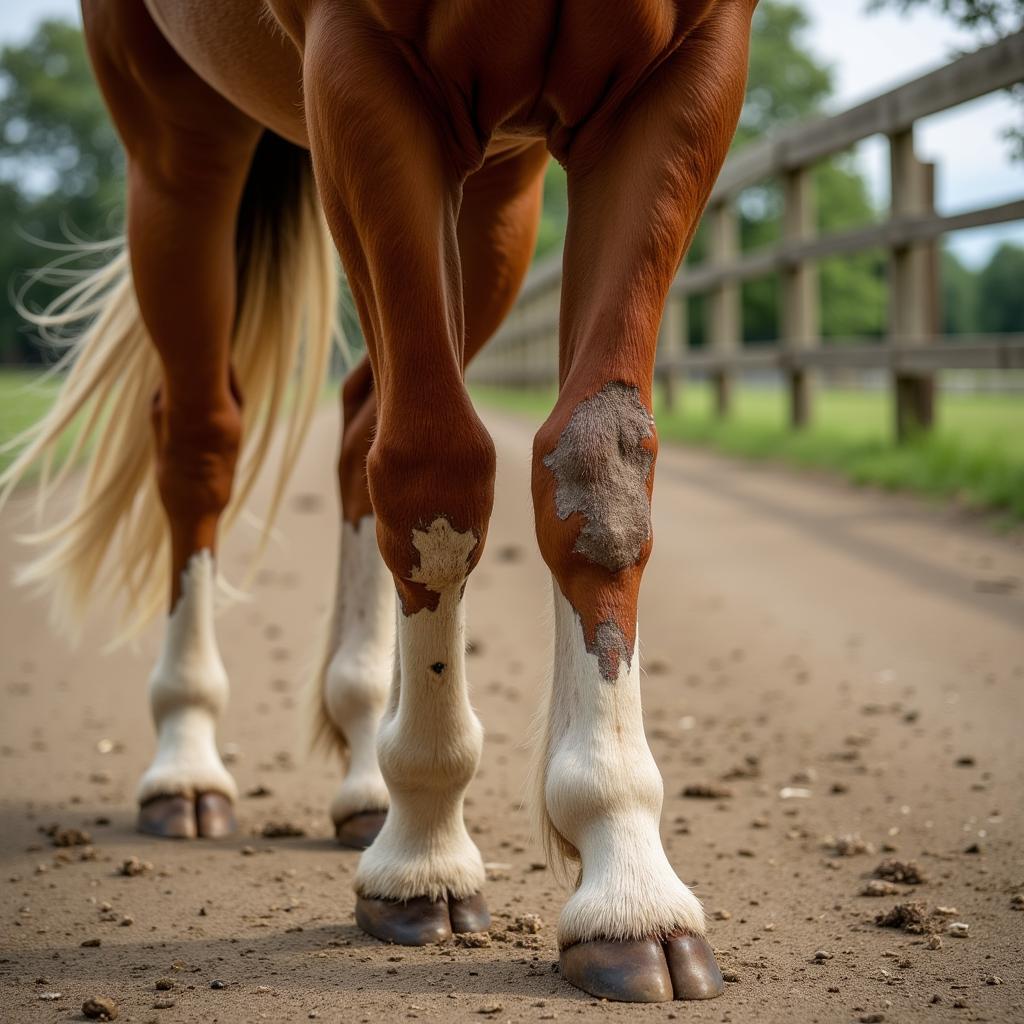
x,y
866,652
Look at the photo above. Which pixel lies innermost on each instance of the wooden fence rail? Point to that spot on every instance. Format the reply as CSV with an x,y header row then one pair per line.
x,y
525,350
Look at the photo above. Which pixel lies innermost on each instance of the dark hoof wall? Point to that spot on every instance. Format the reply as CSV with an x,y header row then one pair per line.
x,y
644,971
695,972
215,816
629,972
421,921
470,914
207,816
359,830
415,922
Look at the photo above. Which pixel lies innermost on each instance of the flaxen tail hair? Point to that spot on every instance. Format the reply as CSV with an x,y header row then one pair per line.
x,y
111,544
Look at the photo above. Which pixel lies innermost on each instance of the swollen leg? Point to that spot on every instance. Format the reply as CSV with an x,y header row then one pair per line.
x,y
631,930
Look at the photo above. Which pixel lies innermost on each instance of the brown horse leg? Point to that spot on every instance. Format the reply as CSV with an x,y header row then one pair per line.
x,y
497,230
391,192
638,180
188,156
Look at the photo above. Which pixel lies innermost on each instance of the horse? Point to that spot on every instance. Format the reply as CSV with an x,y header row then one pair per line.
x,y
410,138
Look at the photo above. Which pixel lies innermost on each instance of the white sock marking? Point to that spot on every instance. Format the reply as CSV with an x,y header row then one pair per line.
x,y
188,691
359,674
430,741
603,793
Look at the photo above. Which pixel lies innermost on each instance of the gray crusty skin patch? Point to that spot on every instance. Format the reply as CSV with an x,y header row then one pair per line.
x,y
601,467
608,640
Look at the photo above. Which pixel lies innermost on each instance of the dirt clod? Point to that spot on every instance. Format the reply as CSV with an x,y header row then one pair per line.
x,y
879,887
707,791
906,872
63,837
99,1008
282,830
848,845
132,867
910,917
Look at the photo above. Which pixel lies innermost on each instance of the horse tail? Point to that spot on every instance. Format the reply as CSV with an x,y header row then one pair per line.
x,y
111,544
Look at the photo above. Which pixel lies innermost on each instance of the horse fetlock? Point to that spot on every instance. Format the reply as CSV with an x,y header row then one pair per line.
x,y
628,889
416,764
423,849
188,691
186,762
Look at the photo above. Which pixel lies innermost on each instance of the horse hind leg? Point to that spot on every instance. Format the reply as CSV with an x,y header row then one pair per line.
x,y
189,154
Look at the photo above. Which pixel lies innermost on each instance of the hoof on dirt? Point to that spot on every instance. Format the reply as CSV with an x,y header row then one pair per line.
x,y
359,830
470,914
207,816
695,972
215,815
644,971
421,921
416,922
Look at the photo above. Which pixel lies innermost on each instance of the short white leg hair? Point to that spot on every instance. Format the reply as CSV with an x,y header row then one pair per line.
x,y
357,674
188,692
603,796
429,742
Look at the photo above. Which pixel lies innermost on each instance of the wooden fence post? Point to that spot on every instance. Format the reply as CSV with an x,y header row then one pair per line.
x,y
724,312
913,286
672,344
801,317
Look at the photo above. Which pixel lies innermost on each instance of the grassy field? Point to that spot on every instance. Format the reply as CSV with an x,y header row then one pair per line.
x,y
975,455
24,397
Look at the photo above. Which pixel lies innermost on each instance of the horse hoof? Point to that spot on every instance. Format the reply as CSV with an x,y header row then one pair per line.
x,y
629,972
170,817
694,970
209,815
416,922
470,914
215,815
359,830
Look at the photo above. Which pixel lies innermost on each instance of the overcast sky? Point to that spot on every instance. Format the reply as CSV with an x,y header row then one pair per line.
x,y
869,54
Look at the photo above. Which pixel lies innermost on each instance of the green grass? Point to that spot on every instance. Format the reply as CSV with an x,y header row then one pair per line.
x,y
975,454
24,398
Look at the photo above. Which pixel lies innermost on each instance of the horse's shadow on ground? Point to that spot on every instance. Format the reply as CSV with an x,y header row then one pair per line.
x,y
286,960
315,956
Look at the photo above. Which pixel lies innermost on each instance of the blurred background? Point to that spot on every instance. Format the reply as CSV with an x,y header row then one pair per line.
x,y
950,426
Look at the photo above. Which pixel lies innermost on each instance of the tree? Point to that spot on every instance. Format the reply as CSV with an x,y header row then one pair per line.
x,y
61,166
987,20
959,296
1000,295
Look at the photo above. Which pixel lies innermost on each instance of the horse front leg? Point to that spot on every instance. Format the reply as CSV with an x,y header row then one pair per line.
x,y
638,180
391,192
496,232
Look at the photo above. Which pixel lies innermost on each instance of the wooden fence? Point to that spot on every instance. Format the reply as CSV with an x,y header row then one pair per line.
x,y
524,352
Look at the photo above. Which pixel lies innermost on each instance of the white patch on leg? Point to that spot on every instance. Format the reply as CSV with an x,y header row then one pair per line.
x,y
603,794
429,742
358,676
188,691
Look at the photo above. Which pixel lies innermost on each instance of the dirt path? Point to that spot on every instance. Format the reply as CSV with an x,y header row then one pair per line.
x,y
866,652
